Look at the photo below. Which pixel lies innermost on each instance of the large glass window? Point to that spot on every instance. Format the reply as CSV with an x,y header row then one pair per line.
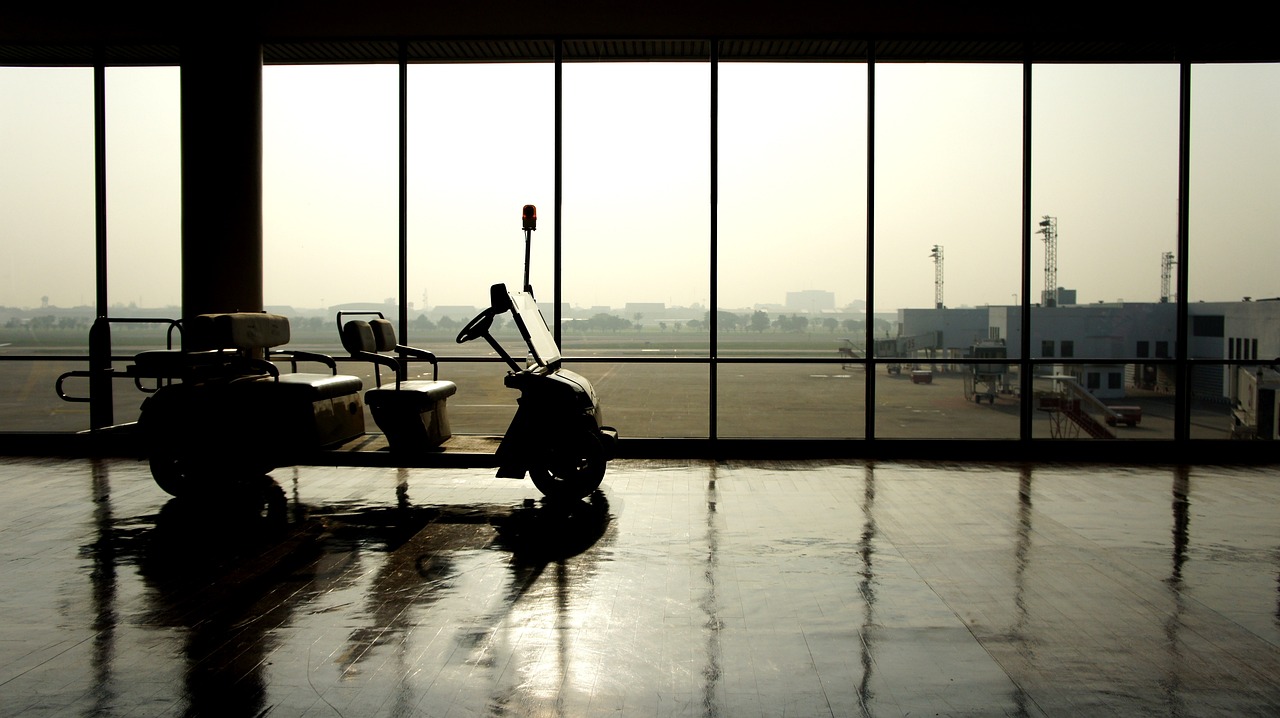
x,y
47,240
636,219
144,191
791,248
1235,176
144,214
1104,200
481,146
638,274
947,246
330,193
637,203
46,193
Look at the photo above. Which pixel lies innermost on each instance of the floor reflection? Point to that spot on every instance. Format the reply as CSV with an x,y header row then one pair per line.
x,y
231,570
867,589
687,588
709,604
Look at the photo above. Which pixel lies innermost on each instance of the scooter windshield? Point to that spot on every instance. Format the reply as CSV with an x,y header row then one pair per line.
x,y
533,327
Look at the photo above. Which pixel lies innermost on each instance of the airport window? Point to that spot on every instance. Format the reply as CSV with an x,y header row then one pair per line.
x,y
637,250
47,156
144,182
329,194
47,240
646,269
948,216
1235,176
1104,162
791,234
473,163
466,188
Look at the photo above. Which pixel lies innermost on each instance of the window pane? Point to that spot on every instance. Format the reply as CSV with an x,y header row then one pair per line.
x,y
1235,176
1104,176
481,146
144,192
792,248
791,400
651,400
792,212
947,245
940,400
636,225
1104,195
47,254
1103,401
47,245
330,179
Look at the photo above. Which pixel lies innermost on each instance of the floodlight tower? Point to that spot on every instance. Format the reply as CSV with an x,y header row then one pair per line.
x,y
1166,274
1049,228
936,253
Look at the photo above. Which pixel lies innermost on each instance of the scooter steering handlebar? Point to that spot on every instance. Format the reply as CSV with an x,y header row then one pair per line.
x,y
477,328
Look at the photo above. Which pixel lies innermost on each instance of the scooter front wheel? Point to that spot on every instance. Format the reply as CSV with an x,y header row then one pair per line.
x,y
571,469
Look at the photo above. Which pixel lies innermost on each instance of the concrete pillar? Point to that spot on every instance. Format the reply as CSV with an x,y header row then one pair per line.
x,y
221,177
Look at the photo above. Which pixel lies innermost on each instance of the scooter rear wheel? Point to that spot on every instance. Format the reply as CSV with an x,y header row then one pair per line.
x,y
573,468
170,474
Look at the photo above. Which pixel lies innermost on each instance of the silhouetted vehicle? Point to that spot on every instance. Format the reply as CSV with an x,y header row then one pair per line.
x,y
557,435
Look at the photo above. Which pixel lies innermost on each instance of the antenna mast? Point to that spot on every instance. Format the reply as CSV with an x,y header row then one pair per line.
x,y
1166,274
1049,228
937,275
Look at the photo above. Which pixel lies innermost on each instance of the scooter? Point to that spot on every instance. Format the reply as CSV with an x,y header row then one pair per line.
x,y
557,435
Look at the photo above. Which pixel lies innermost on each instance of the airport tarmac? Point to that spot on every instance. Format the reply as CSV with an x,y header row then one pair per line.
x,y
671,400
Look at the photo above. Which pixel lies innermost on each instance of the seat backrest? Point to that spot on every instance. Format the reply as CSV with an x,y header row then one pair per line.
x,y
384,335
242,331
357,336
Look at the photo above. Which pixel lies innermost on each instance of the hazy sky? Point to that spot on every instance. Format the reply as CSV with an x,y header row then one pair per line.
x,y
636,182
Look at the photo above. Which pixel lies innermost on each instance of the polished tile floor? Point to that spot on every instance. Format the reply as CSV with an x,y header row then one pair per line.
x,y
685,588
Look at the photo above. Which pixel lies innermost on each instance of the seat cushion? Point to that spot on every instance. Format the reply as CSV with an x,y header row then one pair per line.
x,y
308,387
419,394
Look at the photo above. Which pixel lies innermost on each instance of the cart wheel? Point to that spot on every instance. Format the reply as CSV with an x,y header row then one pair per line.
x,y
170,475
573,469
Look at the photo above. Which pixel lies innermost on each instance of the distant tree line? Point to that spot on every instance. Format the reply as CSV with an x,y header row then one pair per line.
x,y
605,323
47,322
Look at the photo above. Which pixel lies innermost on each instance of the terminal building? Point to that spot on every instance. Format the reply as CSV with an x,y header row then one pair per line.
x,y
1116,337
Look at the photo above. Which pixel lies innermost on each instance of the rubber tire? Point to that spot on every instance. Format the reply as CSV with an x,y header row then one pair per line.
x,y
170,476
573,470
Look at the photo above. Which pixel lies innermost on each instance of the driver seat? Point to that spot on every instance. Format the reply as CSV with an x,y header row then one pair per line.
x,y
412,414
